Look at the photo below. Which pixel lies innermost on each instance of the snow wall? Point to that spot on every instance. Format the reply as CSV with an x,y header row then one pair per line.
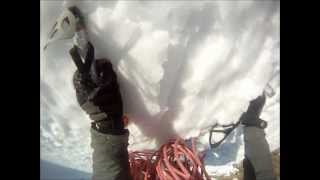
x,y
182,67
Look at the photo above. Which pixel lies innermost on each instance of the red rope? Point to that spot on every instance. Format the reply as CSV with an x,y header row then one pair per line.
x,y
173,161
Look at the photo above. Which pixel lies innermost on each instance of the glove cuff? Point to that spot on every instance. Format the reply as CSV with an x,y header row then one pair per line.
x,y
109,126
259,123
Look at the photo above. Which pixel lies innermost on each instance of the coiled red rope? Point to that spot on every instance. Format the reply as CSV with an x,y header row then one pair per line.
x,y
173,161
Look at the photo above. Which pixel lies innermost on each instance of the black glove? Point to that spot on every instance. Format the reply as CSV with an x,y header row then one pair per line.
x,y
79,17
252,116
98,92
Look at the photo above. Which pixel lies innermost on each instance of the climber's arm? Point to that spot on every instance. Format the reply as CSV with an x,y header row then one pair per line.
x,y
100,97
257,155
98,94
257,163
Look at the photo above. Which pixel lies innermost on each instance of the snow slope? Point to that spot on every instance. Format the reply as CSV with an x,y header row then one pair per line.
x,y
182,66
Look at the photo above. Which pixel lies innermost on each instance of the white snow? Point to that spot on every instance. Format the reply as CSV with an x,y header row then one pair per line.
x,y
182,66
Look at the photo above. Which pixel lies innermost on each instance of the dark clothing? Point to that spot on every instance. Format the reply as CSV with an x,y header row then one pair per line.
x,y
110,156
258,163
248,170
105,96
97,91
83,67
98,94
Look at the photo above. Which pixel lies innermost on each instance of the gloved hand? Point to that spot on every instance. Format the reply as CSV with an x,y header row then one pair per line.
x,y
252,116
98,92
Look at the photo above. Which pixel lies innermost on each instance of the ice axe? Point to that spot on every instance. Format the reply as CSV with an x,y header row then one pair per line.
x,y
248,118
65,26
